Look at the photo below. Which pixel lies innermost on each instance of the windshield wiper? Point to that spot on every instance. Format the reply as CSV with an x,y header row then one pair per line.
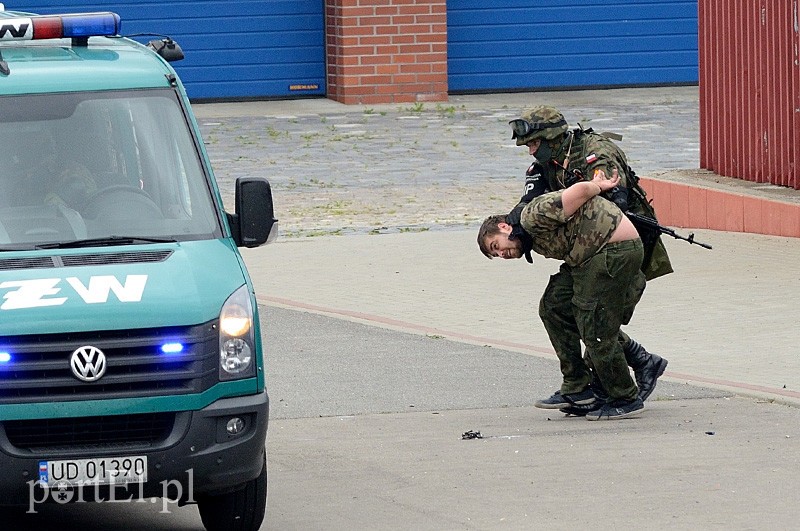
x,y
107,241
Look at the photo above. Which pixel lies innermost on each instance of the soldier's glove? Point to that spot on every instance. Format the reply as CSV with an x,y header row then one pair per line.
x,y
619,196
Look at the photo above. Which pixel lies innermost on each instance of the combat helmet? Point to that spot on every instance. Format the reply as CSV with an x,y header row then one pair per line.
x,y
542,122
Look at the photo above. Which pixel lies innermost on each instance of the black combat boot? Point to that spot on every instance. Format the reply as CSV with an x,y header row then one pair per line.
x,y
646,367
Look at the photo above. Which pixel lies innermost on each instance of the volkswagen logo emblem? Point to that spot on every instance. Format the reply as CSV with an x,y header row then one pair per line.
x,y
88,364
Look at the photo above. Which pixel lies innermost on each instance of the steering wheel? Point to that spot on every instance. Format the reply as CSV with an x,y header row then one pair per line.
x,y
115,188
129,196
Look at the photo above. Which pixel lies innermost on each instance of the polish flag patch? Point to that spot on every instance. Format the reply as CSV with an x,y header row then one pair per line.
x,y
591,158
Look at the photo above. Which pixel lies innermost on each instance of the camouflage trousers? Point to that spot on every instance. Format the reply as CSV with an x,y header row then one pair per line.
x,y
590,303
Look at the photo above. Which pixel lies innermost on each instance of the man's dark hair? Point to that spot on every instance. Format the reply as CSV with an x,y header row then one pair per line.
x,y
489,228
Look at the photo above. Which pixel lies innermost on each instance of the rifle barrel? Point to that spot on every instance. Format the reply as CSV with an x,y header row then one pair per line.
x,y
653,224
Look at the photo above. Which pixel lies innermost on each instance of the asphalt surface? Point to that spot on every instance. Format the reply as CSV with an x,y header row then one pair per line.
x,y
368,427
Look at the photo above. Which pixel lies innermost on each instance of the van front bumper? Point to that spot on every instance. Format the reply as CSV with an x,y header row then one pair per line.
x,y
199,456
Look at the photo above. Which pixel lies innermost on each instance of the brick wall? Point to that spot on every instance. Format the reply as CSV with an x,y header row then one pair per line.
x,y
386,51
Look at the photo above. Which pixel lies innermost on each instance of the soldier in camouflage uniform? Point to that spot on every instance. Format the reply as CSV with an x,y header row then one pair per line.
x,y
601,277
564,157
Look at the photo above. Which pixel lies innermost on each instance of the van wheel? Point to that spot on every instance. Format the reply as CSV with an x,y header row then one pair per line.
x,y
240,510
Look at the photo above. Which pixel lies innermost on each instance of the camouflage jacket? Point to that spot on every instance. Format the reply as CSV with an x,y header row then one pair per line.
x,y
590,152
575,239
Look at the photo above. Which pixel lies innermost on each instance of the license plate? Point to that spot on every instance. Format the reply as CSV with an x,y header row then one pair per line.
x,y
102,471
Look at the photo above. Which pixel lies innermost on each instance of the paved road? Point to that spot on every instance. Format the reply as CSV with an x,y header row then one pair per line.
x,y
367,434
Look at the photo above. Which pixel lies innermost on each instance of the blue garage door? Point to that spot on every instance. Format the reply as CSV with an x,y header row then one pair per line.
x,y
525,45
234,49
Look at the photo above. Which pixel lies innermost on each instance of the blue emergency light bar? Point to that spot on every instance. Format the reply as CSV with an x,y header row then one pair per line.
x,y
75,26
5,357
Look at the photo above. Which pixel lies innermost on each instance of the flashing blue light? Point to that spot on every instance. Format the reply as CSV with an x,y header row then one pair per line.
x,y
172,348
5,357
90,24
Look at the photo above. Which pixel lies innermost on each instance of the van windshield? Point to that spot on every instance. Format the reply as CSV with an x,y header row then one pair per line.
x,y
99,165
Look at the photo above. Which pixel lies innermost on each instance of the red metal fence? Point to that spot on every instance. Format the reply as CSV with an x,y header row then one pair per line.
x,y
750,89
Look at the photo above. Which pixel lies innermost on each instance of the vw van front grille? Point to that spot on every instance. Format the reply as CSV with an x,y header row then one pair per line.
x,y
41,368
125,431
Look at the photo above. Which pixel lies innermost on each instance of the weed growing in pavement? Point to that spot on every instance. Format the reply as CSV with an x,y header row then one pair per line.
x,y
245,140
293,184
417,107
309,137
274,133
449,110
301,233
337,207
322,184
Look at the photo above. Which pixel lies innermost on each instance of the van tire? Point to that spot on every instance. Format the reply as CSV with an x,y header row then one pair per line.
x,y
240,510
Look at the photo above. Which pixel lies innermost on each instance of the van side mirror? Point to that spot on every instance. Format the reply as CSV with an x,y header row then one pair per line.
x,y
254,223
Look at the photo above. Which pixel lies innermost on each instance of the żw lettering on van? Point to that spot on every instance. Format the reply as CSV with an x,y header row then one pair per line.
x,y
42,291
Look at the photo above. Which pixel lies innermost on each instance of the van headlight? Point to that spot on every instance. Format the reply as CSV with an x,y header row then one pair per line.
x,y
236,339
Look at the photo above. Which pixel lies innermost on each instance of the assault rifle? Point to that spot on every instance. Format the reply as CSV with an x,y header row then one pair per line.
x,y
643,224
640,221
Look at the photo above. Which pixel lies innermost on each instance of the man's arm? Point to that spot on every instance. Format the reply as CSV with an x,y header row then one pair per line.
x,y
576,195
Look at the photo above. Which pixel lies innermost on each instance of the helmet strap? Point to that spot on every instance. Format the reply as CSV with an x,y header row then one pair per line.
x,y
564,165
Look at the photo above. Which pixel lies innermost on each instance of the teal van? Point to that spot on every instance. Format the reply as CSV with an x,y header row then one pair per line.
x,y
131,361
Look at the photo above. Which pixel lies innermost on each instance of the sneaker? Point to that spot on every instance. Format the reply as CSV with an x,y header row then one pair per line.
x,y
558,401
581,411
617,409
